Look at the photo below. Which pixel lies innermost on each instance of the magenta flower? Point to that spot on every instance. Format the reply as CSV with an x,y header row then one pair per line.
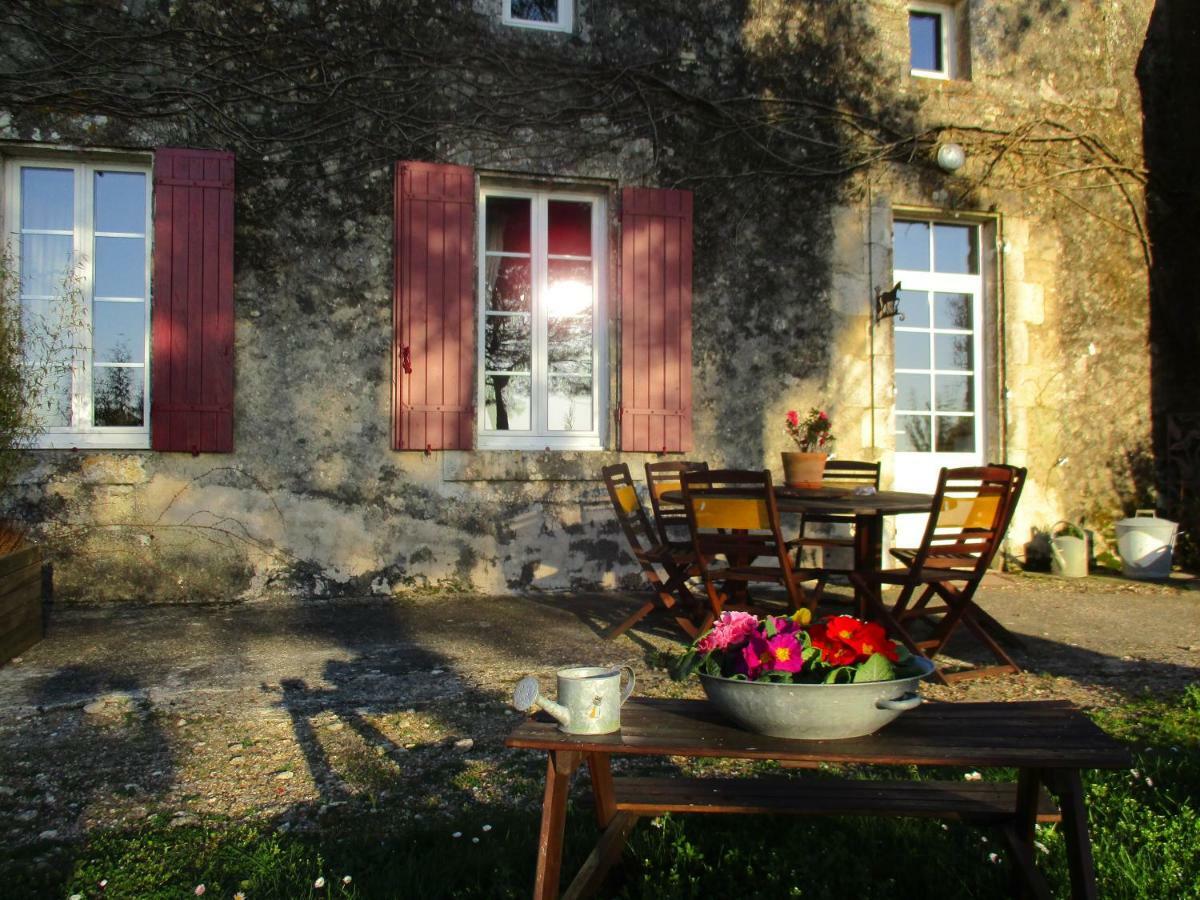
x,y
784,654
753,659
732,628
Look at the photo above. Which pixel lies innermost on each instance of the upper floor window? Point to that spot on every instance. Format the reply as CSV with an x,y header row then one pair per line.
x,y
86,226
933,39
542,355
549,15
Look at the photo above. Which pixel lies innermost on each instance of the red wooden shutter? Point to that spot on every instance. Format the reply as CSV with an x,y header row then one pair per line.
x,y
656,320
434,318
191,377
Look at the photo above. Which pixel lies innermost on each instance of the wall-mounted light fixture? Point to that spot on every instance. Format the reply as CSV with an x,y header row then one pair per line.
x,y
950,157
887,304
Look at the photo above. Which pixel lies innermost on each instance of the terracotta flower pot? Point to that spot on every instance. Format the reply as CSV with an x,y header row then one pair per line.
x,y
803,470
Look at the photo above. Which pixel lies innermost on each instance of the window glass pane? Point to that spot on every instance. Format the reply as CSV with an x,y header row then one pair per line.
x,y
45,262
506,404
912,350
507,225
912,434
570,229
925,40
570,405
506,342
570,287
569,345
910,246
119,332
52,386
915,307
955,434
952,311
120,267
507,284
954,249
121,202
954,393
535,10
912,391
118,398
48,198
953,351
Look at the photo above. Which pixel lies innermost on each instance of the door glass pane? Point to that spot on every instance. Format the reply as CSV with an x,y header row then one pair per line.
x,y
120,199
506,403
48,198
925,40
953,351
955,434
507,284
915,307
913,391
570,229
535,10
570,291
120,267
119,332
570,405
912,434
952,311
507,346
954,393
912,349
507,225
118,397
569,345
910,246
954,249
45,263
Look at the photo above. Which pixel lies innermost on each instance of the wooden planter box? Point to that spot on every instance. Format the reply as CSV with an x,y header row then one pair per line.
x,y
20,601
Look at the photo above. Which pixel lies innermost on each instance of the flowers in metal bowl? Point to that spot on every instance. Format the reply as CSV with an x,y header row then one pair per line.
x,y
812,433
794,650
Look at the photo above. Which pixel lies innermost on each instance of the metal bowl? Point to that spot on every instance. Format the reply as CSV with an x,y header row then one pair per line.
x,y
815,712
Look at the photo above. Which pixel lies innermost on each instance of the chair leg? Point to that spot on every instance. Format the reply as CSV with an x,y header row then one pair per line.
x,y
619,629
872,598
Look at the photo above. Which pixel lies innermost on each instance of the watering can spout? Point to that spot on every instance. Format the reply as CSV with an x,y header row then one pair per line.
x,y
559,712
528,698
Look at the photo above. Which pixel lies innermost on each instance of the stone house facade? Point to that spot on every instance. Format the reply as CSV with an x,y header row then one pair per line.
x,y
389,283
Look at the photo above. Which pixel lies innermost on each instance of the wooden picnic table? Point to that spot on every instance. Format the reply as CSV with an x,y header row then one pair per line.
x,y
1049,742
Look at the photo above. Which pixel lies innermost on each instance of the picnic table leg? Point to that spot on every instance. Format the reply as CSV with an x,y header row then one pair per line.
x,y
1022,832
1067,784
560,766
602,788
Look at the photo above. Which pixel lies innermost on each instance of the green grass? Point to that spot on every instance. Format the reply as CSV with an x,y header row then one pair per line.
x,y
1145,834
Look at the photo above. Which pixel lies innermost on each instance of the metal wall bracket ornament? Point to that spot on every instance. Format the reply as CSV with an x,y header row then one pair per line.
x,y
887,304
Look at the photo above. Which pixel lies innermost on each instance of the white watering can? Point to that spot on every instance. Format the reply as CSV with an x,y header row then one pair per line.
x,y
590,698
1069,551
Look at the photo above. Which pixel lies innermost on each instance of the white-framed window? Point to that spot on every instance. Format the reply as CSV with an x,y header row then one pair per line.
x,y
932,39
542,364
86,223
939,343
548,15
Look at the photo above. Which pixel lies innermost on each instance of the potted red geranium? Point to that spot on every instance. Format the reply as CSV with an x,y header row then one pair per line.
x,y
805,466
782,676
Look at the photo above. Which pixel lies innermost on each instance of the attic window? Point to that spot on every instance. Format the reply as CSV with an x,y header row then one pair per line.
x,y
932,40
547,15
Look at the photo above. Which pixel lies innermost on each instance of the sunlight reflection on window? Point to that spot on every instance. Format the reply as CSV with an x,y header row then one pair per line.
x,y
569,298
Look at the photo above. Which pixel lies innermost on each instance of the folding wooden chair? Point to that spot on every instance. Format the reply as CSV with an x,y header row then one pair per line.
x,y
734,523
969,515
839,473
678,562
670,520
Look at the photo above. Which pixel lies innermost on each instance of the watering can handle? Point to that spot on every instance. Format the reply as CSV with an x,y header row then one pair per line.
x,y
1152,513
629,687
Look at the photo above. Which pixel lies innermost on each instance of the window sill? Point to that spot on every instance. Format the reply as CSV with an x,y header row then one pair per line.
x,y
92,441
527,465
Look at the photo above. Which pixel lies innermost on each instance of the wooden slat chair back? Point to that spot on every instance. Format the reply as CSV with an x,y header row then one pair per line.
x,y
670,519
970,512
734,522
651,554
839,473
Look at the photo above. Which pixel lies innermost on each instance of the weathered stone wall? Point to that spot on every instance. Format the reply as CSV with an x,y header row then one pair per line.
x,y
799,129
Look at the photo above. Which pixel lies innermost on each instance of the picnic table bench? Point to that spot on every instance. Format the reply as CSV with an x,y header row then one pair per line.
x,y
1048,742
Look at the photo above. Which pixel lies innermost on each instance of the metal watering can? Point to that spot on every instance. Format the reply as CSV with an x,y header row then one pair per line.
x,y
590,698
1068,553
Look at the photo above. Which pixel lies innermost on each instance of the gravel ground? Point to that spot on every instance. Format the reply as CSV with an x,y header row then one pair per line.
x,y
316,713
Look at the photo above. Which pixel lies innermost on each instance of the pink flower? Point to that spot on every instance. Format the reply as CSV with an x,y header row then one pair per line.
x,y
732,628
822,416
784,654
793,417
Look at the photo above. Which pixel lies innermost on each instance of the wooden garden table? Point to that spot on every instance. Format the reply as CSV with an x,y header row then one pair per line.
x,y
1049,742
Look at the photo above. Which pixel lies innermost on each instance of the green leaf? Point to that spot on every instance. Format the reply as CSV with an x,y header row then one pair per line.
x,y
682,666
837,674
876,668
769,626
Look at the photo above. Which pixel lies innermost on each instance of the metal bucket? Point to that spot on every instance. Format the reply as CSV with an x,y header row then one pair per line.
x,y
1068,553
814,712
1145,543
